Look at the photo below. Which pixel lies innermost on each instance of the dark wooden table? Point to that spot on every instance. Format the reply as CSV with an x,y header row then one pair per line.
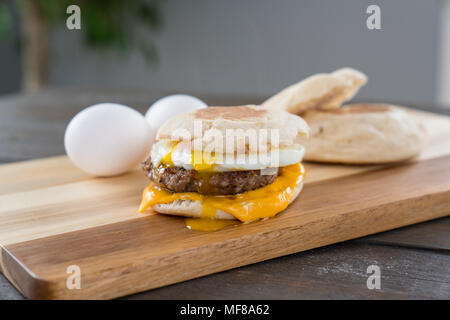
x,y
414,261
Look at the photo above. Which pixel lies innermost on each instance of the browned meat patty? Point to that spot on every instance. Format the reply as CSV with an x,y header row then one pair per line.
x,y
177,179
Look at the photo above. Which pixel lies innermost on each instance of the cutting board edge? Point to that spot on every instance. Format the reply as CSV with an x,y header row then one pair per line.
x,y
35,287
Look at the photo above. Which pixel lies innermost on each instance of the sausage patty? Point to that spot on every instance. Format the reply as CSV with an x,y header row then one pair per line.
x,y
178,179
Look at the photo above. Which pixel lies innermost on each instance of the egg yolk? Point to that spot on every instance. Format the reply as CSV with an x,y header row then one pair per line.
x,y
200,161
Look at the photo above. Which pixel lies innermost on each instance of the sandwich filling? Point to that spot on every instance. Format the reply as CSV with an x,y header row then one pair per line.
x,y
247,195
264,202
179,179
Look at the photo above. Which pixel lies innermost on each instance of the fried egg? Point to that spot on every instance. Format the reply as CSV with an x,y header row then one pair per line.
x,y
179,154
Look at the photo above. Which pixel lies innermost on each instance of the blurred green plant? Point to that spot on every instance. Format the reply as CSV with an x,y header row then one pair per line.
x,y
105,25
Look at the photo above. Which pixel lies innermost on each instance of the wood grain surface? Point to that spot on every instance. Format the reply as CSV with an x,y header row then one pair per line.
x,y
74,219
338,271
411,266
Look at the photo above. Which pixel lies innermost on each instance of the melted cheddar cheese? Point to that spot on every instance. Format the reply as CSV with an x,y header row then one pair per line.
x,y
205,224
257,204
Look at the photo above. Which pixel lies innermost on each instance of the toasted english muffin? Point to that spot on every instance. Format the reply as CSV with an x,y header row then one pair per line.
x,y
194,209
203,124
363,134
319,91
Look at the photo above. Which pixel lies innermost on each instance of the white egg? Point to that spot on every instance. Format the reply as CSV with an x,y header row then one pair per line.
x,y
170,106
108,139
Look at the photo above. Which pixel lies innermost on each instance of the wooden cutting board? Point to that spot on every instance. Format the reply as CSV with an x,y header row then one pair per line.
x,y
53,216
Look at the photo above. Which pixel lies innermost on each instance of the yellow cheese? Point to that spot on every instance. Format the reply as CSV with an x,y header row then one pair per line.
x,y
205,224
248,206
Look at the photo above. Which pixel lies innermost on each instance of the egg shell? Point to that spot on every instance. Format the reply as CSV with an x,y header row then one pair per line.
x,y
108,139
170,106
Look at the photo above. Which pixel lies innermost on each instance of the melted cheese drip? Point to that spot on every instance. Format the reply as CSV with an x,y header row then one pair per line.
x,y
208,221
204,224
252,205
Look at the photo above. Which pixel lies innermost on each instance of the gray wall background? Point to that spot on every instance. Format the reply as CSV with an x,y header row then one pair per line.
x,y
257,47
9,67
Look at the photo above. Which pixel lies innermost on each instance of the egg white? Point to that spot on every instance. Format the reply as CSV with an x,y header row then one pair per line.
x,y
181,156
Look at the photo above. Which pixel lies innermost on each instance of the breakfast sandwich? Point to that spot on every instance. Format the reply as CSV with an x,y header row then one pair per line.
x,y
226,163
